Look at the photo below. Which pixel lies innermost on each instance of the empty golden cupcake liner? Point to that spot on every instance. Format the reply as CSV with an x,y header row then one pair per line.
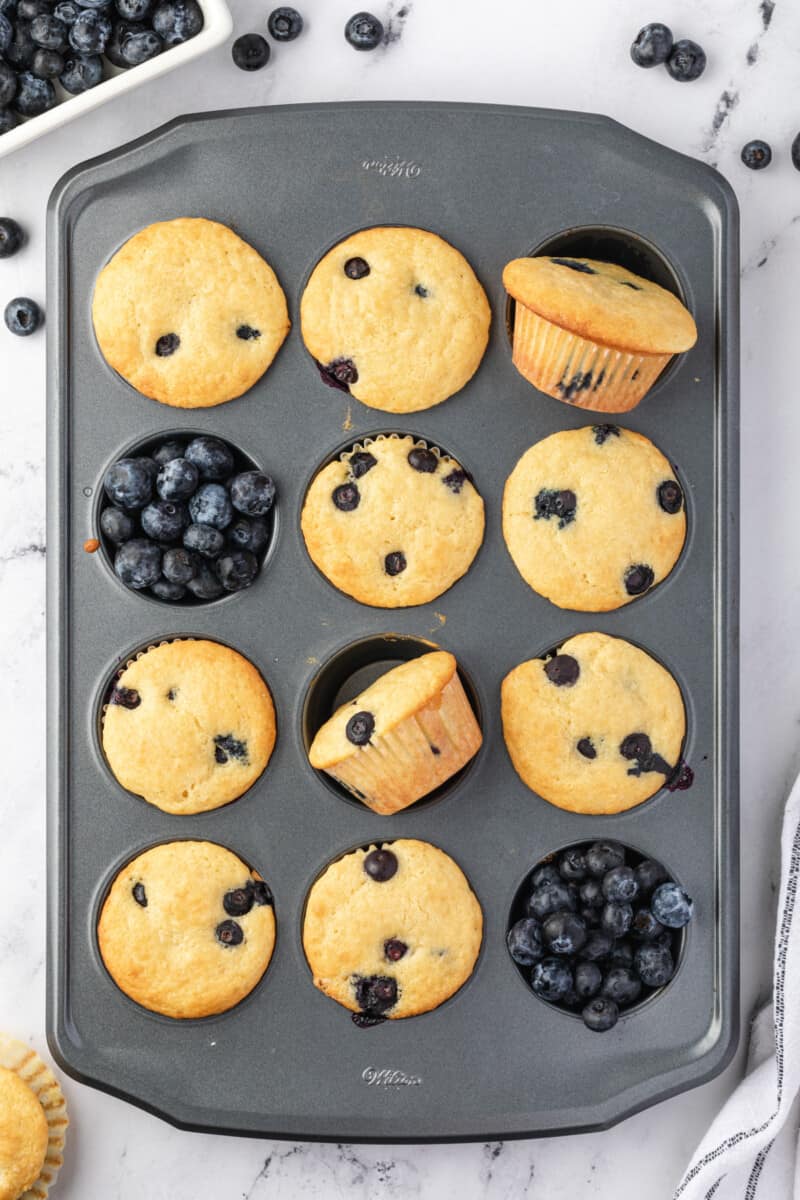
x,y
27,1064
578,371
427,748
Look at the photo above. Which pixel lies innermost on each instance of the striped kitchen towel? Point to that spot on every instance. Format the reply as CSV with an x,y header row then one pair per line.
x,y
751,1150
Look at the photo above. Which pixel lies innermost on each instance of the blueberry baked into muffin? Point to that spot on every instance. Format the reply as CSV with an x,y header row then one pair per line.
x,y
187,929
396,317
188,313
393,522
188,726
593,517
596,727
592,333
392,930
33,1123
402,737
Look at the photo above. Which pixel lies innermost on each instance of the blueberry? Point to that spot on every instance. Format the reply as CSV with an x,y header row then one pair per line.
x,y
649,874
7,119
237,570
364,31
252,493
226,747
116,525
654,964
47,64
671,906
560,504
455,480
205,540
597,946
622,986
524,941
395,563
247,333
423,460
359,728
139,894
179,565
551,979
591,916
591,893
67,11
81,72
134,10
796,152
380,865
588,978
167,451
756,155
563,933
48,32
549,898
138,563
621,954
168,343
572,865
211,505
361,462
125,697
238,901
670,496
346,497
177,21
28,10
376,994
136,48
21,51
164,520
34,97
120,32
128,483
600,1014
616,918
620,884
686,61
229,933
177,479
645,927
22,315
602,857
652,45
250,52
603,432
205,585
8,90
90,32
638,579
339,374
6,33
356,268
165,590
394,949
585,747
212,457
562,670
285,24
249,534
261,893
546,873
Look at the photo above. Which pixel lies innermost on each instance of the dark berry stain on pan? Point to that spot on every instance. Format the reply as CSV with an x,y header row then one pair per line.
x,y
638,748
681,779
340,373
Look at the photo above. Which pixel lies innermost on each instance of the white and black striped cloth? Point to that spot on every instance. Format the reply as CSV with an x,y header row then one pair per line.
x,y
751,1150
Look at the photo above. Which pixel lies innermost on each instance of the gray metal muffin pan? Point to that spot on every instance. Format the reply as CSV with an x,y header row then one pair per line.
x,y
493,1062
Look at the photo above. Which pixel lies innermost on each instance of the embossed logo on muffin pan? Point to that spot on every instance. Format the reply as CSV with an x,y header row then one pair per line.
x,y
287,1061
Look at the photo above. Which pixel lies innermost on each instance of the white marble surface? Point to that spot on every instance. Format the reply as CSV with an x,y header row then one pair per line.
x,y
572,54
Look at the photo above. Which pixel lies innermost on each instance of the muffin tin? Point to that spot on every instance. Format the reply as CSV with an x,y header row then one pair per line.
x,y
492,1062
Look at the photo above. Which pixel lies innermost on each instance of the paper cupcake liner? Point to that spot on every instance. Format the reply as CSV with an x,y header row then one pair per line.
x,y
578,371
415,757
23,1061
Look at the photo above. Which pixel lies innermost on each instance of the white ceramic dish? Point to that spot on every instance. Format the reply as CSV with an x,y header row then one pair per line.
x,y
217,24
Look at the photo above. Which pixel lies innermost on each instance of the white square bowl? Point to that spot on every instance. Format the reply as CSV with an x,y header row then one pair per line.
x,y
217,24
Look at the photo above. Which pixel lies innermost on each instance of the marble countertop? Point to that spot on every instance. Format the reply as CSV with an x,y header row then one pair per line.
x,y
568,55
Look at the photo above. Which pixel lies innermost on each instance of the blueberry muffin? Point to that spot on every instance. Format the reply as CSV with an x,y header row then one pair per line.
x,y
591,333
396,317
392,931
33,1123
189,726
595,728
392,522
187,929
593,517
402,737
188,313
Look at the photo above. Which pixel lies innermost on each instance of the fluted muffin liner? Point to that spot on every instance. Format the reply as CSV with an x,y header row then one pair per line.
x,y
419,754
581,372
34,1072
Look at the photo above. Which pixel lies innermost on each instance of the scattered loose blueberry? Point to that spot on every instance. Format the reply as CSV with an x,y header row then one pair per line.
x,y
364,31
562,670
756,155
359,728
686,61
67,11
229,933
600,1014
524,941
285,24
381,865
121,31
652,46
22,315
671,906
250,52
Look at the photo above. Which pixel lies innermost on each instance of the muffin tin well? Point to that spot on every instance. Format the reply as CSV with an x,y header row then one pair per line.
x,y
288,1062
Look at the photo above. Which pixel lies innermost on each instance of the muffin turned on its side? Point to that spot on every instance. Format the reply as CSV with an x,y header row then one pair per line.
x,y
592,333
